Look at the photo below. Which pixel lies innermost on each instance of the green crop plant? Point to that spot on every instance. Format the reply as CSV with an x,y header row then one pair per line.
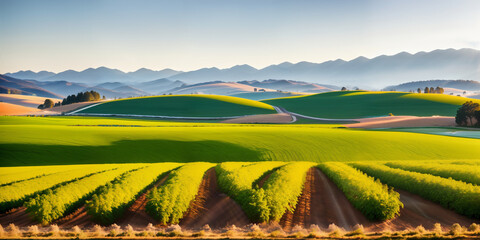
x,y
374,199
237,179
468,174
14,195
54,203
461,197
283,188
111,200
170,202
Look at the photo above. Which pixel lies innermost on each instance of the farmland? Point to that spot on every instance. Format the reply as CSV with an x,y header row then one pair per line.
x,y
117,175
183,106
361,104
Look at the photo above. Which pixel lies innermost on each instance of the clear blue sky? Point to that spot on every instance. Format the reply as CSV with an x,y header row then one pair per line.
x,y
56,35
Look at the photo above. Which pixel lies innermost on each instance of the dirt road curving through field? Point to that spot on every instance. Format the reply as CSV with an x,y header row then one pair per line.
x,y
213,207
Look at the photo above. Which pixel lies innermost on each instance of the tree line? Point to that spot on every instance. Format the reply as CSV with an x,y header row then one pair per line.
x,y
87,96
467,113
439,90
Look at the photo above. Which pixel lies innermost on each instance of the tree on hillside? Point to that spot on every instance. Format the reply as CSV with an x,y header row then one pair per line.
x,y
419,90
344,89
427,90
467,111
47,104
432,90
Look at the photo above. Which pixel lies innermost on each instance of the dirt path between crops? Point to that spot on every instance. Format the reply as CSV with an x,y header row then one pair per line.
x,y
136,215
419,211
79,217
18,216
213,207
322,203
403,121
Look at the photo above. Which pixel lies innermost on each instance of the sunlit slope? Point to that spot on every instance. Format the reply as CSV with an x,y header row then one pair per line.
x,y
184,106
360,104
141,141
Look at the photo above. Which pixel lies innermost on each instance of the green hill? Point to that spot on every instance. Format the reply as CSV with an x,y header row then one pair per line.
x,y
183,106
360,104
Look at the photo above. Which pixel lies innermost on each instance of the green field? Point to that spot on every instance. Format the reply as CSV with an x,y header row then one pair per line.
x,y
183,106
82,140
361,104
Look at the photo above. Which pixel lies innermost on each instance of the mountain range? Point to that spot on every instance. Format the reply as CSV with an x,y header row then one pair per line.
x,y
377,72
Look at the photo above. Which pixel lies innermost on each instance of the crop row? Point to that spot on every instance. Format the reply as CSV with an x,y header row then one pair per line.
x,y
237,180
170,202
112,199
15,174
374,199
468,174
462,197
53,204
13,195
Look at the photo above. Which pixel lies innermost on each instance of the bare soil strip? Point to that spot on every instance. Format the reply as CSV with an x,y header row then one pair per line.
x,y
17,216
78,218
419,211
323,203
213,207
302,211
135,215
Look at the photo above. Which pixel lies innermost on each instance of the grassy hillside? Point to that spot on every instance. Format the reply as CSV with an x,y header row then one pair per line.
x,y
360,104
73,140
184,106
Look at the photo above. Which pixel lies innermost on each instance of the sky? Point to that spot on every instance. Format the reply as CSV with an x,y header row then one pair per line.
x,y
57,35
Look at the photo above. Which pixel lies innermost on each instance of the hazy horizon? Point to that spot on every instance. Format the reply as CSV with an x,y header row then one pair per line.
x,y
58,35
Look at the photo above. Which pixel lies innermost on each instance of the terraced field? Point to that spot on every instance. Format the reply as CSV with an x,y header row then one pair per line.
x,y
362,104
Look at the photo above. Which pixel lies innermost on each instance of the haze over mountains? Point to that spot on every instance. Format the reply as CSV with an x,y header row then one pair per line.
x,y
375,73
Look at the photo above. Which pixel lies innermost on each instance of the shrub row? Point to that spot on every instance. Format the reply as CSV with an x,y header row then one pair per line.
x,y
461,197
169,202
468,174
13,195
374,199
112,199
237,180
53,204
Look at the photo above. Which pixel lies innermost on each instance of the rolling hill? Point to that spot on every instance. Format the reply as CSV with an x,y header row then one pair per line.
x,y
18,86
217,87
183,106
361,104
290,85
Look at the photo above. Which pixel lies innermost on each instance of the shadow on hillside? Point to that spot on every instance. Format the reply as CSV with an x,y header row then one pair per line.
x,y
126,151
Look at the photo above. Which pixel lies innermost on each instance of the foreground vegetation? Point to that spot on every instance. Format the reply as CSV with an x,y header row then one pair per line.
x,y
169,202
109,203
461,197
375,200
253,231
